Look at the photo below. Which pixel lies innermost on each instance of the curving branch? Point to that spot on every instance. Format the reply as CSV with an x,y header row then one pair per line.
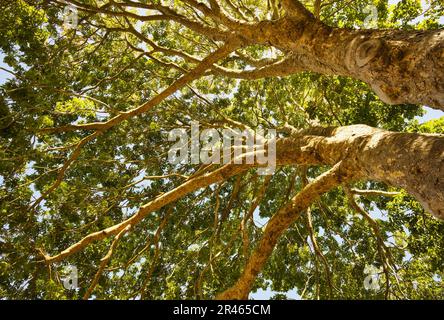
x,y
176,85
280,68
280,222
61,172
248,215
104,261
373,193
384,252
317,249
155,241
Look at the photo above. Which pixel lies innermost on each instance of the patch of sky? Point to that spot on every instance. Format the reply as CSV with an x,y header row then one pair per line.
x,y
377,213
429,114
127,210
29,168
258,220
338,239
261,294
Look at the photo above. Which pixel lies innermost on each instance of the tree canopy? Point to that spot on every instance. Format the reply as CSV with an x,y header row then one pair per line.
x,y
95,86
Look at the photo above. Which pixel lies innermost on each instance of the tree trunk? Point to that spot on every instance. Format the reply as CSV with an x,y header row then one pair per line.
x,y
411,161
400,66
408,160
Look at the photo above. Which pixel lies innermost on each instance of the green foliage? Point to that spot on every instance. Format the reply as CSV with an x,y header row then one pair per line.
x,y
62,79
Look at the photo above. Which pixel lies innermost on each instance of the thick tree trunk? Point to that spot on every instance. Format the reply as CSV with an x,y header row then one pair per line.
x,y
411,161
414,162
400,66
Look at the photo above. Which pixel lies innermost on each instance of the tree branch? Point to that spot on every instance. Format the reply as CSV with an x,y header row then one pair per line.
x,y
74,155
277,225
178,84
373,193
191,185
104,261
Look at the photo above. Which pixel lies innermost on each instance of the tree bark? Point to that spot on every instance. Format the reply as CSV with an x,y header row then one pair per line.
x,y
401,66
412,161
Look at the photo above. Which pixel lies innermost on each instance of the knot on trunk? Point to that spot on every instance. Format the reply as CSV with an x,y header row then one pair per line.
x,y
367,51
360,52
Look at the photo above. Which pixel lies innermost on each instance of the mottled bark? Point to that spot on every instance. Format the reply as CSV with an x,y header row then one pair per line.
x,y
412,161
401,66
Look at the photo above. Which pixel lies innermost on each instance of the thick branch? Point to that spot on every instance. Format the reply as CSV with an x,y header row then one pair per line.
x,y
177,85
406,160
277,225
414,162
401,66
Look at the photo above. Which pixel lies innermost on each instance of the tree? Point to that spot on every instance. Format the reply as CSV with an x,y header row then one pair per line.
x,y
96,86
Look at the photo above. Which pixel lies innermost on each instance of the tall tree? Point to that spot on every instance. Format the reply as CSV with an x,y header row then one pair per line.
x,y
96,86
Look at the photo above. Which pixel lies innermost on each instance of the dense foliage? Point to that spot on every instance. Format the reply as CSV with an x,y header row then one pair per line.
x,y
193,248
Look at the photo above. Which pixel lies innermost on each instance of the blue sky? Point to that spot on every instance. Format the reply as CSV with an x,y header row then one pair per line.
x,y
3,74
